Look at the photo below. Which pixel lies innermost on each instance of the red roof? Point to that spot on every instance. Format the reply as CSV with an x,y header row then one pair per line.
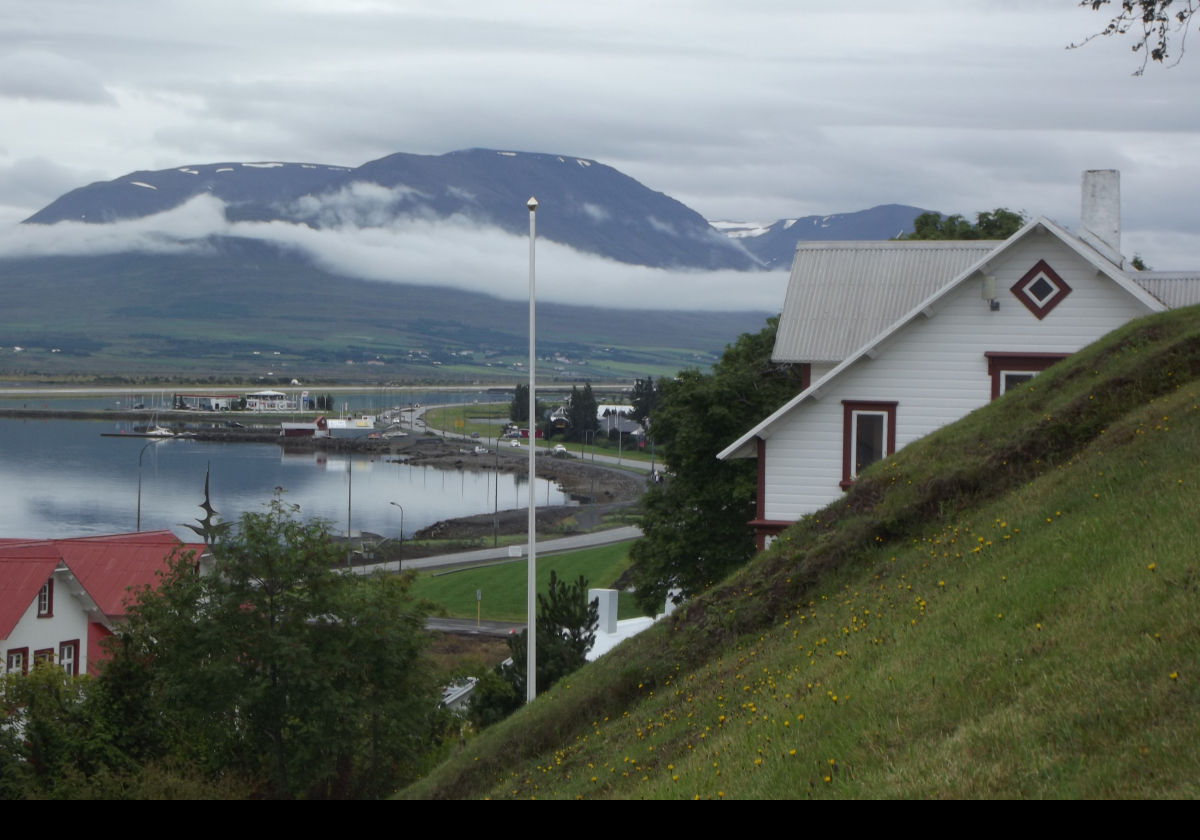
x,y
106,566
109,566
24,568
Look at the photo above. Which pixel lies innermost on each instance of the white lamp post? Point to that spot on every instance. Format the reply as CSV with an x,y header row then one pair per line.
x,y
531,582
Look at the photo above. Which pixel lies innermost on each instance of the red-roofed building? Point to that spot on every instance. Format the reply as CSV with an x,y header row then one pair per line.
x,y
60,598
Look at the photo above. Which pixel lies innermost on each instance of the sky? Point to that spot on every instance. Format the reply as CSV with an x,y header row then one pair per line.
x,y
752,111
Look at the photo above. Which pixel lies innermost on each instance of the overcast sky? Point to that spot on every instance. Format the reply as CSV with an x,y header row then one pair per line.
x,y
757,110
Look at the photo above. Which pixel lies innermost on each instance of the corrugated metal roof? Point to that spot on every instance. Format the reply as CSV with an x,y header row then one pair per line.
x,y
24,568
1173,288
842,294
109,566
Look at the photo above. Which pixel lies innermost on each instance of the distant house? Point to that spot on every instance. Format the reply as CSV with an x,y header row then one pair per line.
x,y
60,598
901,338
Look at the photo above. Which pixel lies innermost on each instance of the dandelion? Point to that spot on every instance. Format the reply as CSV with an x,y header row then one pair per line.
x,y
1174,675
1151,567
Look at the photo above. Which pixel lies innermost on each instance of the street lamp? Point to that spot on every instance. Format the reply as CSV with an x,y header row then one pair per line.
x,y
139,502
531,579
397,504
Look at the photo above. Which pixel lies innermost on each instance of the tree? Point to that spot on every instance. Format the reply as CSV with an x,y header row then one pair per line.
x,y
581,411
518,409
566,631
276,668
1000,223
644,398
696,524
1154,24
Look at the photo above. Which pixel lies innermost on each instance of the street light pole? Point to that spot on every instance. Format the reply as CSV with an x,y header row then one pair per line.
x,y
531,578
139,503
400,562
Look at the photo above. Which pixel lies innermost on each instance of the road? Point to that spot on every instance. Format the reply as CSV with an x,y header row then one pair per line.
x,y
506,553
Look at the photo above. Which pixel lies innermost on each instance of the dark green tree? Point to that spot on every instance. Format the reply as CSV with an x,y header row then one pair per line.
x,y
276,668
1000,223
644,398
696,524
566,631
518,409
582,409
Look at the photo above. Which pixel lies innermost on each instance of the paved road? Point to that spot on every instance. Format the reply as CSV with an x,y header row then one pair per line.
x,y
504,553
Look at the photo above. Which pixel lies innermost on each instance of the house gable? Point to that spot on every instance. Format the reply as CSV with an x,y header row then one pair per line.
x,y
934,364
92,578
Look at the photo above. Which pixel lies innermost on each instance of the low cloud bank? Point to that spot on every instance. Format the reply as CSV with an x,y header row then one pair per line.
x,y
450,252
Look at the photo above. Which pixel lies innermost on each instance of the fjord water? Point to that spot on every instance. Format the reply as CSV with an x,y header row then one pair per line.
x,y
60,478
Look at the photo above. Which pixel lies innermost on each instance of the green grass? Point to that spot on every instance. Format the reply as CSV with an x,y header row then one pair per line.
x,y
1007,608
467,419
504,585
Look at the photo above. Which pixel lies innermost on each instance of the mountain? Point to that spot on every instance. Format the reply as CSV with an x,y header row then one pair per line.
x,y
305,288
774,244
584,204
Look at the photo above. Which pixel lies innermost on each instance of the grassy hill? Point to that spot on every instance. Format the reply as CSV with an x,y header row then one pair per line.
x,y
1007,608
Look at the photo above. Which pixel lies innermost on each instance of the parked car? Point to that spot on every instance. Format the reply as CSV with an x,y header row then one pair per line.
x,y
516,443
559,450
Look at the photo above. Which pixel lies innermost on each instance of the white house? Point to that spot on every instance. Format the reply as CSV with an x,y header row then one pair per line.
x,y
901,338
60,598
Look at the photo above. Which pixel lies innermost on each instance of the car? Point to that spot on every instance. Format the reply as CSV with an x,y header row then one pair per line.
x,y
516,444
559,450
475,435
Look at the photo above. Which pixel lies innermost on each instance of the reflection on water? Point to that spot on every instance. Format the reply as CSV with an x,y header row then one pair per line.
x,y
59,478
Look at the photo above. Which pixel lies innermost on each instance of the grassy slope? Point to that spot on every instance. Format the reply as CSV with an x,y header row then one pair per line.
x,y
504,585
1006,608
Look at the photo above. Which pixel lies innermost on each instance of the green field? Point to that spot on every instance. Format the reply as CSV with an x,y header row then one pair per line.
x,y
1007,608
487,421
503,585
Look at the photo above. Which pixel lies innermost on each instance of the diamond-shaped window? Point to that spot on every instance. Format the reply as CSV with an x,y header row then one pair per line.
x,y
1041,289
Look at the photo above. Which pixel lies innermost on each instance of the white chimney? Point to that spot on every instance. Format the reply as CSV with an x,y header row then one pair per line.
x,y
1100,212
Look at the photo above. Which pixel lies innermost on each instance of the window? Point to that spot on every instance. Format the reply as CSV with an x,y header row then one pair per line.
x,y
868,435
1008,370
17,661
46,599
45,656
68,657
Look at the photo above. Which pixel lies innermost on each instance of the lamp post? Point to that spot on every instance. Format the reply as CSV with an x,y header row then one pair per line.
x,y
401,561
139,502
531,579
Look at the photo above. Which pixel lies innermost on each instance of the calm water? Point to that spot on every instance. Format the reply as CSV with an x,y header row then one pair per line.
x,y
60,478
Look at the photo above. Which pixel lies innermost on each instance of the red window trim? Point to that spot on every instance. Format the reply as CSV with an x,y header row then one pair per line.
x,y
998,362
43,656
849,407
73,646
48,588
8,654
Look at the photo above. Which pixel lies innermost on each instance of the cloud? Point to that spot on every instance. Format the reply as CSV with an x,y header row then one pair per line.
x,y
360,204
454,252
43,75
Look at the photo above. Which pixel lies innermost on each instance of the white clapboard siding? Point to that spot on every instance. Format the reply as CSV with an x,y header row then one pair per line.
x,y
935,369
